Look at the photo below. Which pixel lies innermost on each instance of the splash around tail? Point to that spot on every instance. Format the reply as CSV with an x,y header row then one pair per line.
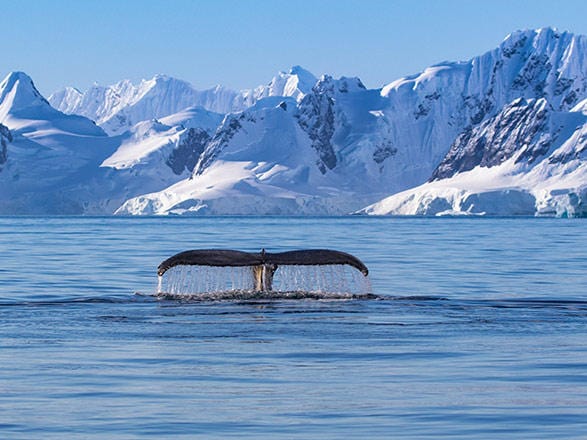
x,y
310,273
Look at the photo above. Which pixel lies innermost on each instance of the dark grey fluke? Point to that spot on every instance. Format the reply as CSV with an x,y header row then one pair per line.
x,y
232,258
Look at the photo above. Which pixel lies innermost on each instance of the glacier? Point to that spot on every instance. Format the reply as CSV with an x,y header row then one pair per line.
x,y
500,134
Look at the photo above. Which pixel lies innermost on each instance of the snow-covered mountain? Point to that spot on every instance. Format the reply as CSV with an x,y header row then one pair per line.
x,y
367,142
284,157
529,159
503,161
295,83
502,133
155,154
118,107
44,151
54,163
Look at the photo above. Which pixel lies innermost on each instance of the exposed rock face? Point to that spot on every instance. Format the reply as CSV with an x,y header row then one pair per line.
x,y
520,129
323,116
5,138
185,156
230,126
316,117
383,152
527,160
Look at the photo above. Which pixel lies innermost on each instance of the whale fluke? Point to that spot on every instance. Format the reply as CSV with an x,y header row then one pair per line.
x,y
232,258
210,257
316,257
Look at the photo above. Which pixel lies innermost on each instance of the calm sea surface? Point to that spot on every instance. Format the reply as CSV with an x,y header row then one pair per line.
x,y
482,333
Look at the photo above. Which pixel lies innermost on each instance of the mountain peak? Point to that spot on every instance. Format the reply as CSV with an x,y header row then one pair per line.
x,y
327,84
305,79
523,34
17,75
300,71
537,38
23,84
296,69
295,83
18,91
162,78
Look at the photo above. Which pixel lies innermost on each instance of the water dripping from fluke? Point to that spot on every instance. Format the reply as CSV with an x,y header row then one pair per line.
x,y
215,274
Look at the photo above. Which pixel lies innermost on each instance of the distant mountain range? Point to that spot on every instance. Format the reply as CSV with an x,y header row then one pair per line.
x,y
501,134
118,107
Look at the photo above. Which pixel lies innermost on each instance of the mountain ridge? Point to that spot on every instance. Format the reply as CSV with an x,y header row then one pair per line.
x,y
301,144
119,106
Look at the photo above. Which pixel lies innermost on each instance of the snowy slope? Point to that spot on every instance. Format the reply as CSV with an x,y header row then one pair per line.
x,y
155,154
245,170
148,137
543,66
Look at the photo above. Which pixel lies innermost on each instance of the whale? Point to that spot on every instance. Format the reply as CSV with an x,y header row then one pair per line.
x,y
263,264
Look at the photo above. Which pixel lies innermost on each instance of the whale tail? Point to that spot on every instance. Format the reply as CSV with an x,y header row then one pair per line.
x,y
264,263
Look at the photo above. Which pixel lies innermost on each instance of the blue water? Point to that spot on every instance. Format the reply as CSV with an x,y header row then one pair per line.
x,y
482,333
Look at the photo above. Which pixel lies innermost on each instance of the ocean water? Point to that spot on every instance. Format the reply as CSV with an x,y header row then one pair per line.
x,y
479,331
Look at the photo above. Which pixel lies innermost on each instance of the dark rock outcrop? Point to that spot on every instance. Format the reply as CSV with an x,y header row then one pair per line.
x,y
5,138
520,129
317,118
185,156
230,126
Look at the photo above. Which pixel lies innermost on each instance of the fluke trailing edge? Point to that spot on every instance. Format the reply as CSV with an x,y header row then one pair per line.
x,y
264,264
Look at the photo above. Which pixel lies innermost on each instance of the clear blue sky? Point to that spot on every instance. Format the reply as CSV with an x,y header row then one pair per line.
x,y
243,43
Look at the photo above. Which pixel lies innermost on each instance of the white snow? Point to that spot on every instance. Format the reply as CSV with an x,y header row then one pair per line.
x,y
147,138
